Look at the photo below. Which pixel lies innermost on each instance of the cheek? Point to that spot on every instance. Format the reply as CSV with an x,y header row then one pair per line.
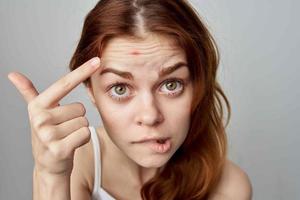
x,y
180,121
113,115
178,113
179,109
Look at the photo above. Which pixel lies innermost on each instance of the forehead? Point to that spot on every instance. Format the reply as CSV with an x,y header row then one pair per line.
x,y
152,48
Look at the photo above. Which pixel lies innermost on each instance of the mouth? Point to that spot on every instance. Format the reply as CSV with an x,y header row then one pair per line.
x,y
162,145
160,140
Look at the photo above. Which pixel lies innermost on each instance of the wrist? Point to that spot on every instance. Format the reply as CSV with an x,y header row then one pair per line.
x,y
50,186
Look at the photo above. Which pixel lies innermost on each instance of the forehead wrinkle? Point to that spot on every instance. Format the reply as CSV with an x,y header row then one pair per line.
x,y
153,53
142,51
162,72
124,61
142,46
125,54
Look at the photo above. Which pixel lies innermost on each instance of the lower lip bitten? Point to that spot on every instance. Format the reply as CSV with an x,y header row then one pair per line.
x,y
159,147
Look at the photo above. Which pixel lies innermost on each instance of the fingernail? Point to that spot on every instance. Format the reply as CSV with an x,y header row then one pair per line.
x,y
95,62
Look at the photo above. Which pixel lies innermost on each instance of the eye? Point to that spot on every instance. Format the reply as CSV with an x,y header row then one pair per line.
x,y
172,87
121,91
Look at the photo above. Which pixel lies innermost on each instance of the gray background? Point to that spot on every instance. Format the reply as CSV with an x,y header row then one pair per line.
x,y
260,45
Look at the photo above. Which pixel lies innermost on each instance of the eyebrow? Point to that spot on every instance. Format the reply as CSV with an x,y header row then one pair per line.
x,y
127,75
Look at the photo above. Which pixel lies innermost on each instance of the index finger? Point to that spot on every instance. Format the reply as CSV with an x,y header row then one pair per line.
x,y
67,83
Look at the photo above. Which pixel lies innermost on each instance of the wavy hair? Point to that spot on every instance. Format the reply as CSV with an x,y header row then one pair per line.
x,y
196,167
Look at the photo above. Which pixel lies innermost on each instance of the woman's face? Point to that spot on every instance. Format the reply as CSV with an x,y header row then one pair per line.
x,y
136,100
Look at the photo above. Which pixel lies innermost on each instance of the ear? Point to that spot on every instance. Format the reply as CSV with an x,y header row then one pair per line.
x,y
90,93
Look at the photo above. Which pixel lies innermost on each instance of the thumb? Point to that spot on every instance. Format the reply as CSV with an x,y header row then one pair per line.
x,y
24,85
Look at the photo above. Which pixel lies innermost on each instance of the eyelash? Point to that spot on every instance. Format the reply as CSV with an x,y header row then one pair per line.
x,y
117,83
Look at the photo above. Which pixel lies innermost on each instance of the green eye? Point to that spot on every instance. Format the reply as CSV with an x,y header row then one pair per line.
x,y
171,85
120,89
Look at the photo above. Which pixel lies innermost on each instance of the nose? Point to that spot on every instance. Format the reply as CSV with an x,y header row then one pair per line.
x,y
148,113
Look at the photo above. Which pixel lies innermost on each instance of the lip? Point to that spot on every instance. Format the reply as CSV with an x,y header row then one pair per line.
x,y
148,139
159,148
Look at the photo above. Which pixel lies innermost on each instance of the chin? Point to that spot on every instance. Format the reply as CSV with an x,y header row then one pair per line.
x,y
153,161
152,165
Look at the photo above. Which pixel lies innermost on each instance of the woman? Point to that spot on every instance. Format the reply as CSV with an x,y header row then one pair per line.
x,y
156,91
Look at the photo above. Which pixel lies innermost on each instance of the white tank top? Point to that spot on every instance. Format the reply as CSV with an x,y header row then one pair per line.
x,y
98,192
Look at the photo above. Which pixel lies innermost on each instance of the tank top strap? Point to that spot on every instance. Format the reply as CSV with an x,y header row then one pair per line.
x,y
97,158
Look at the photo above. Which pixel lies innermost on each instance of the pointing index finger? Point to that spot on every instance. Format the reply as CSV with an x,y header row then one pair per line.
x,y
67,83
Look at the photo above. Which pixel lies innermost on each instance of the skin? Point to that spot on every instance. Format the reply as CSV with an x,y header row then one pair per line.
x,y
146,108
57,131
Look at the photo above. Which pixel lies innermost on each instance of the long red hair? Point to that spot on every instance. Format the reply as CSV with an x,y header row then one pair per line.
x,y
195,169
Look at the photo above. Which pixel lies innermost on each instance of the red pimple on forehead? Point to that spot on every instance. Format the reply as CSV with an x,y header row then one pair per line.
x,y
135,52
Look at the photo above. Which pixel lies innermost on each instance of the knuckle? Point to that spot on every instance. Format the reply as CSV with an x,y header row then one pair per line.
x,y
85,130
40,119
47,135
81,108
84,121
58,151
85,133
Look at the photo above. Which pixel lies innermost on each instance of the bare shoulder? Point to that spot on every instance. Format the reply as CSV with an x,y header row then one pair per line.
x,y
83,172
234,184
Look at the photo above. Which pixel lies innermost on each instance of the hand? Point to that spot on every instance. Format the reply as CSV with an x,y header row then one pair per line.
x,y
56,131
